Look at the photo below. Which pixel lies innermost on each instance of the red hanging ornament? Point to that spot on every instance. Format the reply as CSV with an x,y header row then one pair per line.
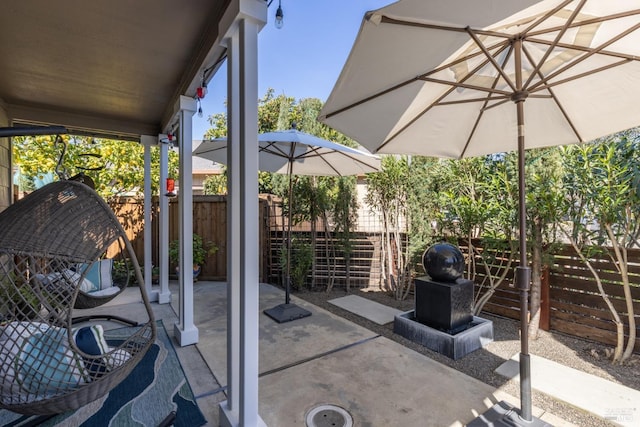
x,y
171,186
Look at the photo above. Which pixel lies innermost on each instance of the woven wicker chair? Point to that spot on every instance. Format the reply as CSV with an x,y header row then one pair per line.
x,y
48,242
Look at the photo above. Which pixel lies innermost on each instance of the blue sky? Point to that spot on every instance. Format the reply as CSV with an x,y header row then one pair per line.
x,y
304,58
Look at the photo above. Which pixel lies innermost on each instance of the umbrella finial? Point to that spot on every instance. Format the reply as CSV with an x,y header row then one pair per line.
x,y
294,125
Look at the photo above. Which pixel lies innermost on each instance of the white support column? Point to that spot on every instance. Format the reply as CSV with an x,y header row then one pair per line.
x,y
234,253
147,142
164,296
185,331
243,20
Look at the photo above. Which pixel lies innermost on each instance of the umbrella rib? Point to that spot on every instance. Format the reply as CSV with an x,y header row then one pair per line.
x,y
314,152
497,104
502,45
330,165
467,86
471,100
484,107
555,42
557,101
597,20
271,148
588,55
548,84
372,97
461,84
395,21
548,15
602,52
453,86
420,77
491,59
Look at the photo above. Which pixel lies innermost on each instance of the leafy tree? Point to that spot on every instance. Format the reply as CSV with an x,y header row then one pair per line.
x,y
388,192
603,201
345,217
313,198
477,199
120,163
544,194
215,184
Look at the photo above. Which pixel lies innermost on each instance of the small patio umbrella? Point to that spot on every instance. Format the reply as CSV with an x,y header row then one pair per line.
x,y
296,153
460,78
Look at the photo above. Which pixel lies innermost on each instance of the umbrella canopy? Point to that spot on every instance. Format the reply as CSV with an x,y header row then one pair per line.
x,y
435,78
305,154
460,78
296,153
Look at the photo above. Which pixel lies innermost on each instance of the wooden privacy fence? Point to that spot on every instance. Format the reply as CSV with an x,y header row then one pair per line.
x,y
571,302
209,221
330,262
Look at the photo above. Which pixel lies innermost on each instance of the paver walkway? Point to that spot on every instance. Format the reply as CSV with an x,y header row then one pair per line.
x,y
605,399
376,312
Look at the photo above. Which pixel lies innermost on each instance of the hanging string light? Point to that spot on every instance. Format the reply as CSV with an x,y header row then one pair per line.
x,y
279,22
279,16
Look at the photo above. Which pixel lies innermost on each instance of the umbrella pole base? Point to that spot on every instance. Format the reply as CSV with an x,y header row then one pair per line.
x,y
286,313
503,414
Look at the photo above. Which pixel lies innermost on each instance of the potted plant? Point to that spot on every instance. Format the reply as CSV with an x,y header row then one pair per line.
x,y
201,250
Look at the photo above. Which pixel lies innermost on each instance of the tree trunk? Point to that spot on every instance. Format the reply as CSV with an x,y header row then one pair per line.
x,y
314,229
388,255
494,282
536,276
621,259
617,353
347,259
327,250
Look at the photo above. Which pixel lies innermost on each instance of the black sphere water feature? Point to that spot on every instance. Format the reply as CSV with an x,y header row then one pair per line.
x,y
443,319
443,262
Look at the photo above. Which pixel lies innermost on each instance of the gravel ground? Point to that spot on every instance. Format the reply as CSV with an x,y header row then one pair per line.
x,y
577,353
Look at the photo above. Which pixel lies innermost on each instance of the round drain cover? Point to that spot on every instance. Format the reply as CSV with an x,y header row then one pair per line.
x,y
329,416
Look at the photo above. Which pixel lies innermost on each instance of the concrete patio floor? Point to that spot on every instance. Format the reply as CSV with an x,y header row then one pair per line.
x,y
319,360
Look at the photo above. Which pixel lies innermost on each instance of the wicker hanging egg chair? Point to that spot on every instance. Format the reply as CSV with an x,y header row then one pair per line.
x,y
53,246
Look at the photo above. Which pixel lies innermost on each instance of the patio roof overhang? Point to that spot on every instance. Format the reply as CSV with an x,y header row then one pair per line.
x,y
105,68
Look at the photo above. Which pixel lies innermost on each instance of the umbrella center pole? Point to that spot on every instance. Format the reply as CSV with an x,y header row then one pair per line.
x,y
523,271
290,217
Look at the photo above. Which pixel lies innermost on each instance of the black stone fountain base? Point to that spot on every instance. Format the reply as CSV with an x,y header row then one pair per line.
x,y
477,335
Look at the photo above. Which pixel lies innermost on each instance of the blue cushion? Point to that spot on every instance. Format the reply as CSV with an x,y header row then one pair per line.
x,y
66,279
99,273
46,364
90,340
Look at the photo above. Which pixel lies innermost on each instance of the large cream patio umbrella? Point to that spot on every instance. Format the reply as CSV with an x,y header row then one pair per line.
x,y
461,78
296,153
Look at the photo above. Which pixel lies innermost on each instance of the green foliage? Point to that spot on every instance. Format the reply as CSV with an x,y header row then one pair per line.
x,y
25,302
121,163
388,192
603,190
265,182
201,250
215,184
123,271
545,193
345,214
301,261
